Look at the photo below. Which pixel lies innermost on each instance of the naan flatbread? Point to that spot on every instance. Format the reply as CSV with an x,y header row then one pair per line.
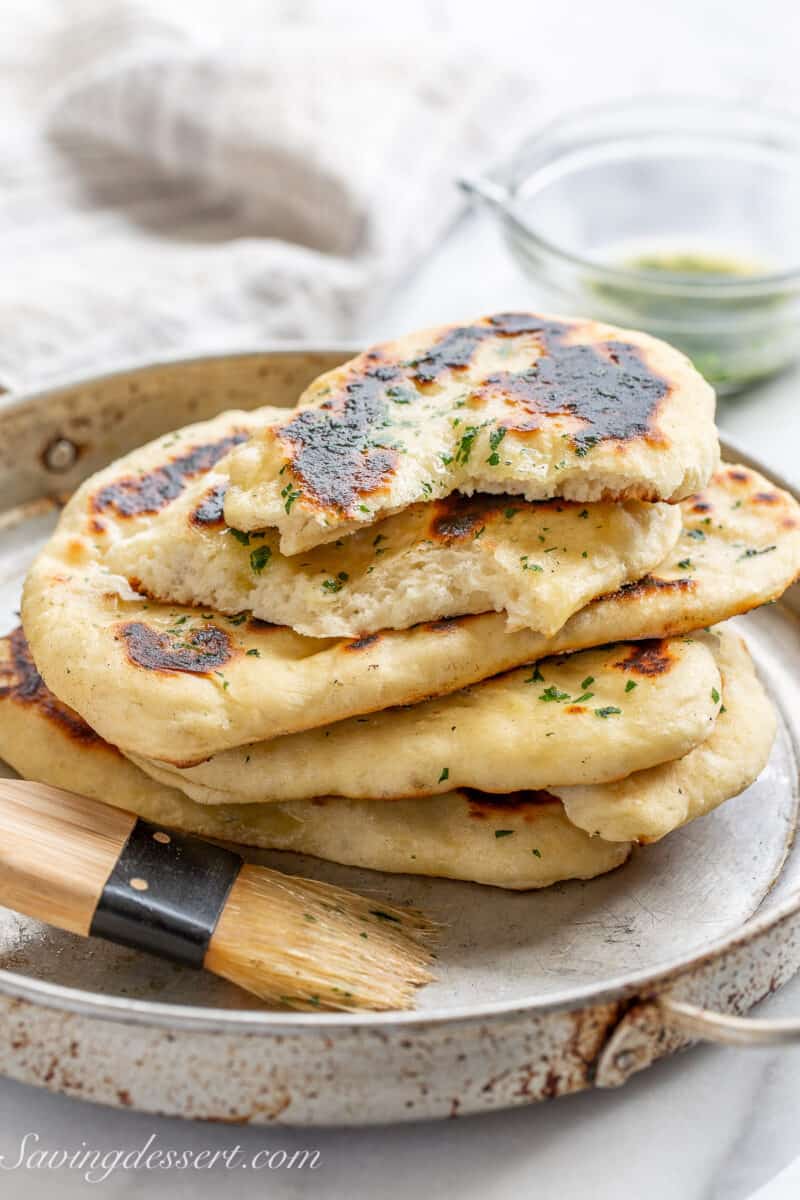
x,y
588,718
538,562
649,805
515,404
177,684
519,842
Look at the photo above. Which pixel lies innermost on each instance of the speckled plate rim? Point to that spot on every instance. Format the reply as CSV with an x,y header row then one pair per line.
x,y
206,1019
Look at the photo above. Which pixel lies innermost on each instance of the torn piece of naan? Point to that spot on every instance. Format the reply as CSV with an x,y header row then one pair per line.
x,y
519,841
590,717
180,684
650,804
516,403
537,562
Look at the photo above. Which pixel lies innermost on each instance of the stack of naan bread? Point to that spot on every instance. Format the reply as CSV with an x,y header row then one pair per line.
x,y
456,614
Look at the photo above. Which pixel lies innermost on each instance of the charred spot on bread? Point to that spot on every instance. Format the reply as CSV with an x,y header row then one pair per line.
x,y
458,517
649,584
331,449
647,658
453,351
150,492
21,682
608,386
445,624
363,643
209,513
523,803
196,651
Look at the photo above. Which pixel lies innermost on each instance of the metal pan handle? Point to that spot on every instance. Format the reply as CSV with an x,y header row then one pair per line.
x,y
697,1022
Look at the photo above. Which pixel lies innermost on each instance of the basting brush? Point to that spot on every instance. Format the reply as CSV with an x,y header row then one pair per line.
x,y
100,871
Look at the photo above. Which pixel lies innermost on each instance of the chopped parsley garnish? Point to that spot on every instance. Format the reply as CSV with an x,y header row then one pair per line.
x,y
290,494
495,438
536,677
254,654
585,445
508,513
685,564
588,681
538,853
750,552
553,694
238,619
498,833
715,695
697,534
377,540
400,395
529,566
259,558
630,685
335,585
244,538
444,775
465,445
609,711
584,513
582,699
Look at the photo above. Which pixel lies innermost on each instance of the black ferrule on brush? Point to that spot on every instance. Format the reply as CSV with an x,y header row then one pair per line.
x,y
166,894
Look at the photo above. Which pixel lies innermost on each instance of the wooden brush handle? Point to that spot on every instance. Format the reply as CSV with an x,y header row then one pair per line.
x,y
99,871
56,852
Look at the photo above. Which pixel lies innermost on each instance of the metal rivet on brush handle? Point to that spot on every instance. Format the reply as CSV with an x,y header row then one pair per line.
x,y
166,894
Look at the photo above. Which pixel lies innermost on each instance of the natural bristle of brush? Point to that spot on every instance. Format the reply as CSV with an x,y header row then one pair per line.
x,y
311,945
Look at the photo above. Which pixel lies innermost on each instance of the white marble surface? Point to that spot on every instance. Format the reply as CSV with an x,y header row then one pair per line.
x,y
713,1124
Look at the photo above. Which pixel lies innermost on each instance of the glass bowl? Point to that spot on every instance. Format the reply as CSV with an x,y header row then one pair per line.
x,y
679,217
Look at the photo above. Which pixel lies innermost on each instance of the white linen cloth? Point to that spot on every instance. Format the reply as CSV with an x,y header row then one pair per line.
x,y
160,194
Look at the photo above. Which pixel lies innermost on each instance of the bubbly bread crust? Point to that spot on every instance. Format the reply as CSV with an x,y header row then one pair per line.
x,y
513,404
